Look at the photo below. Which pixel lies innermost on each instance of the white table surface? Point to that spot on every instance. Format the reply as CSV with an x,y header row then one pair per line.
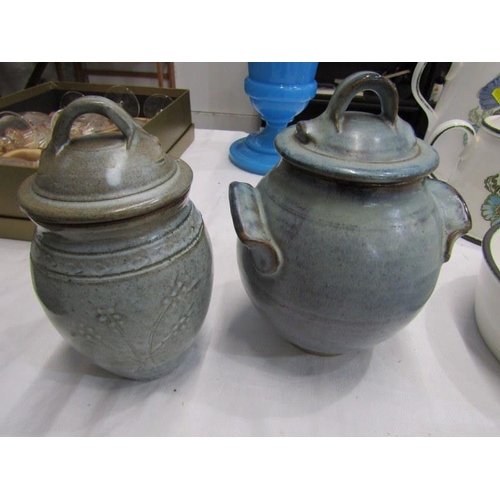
x,y
434,378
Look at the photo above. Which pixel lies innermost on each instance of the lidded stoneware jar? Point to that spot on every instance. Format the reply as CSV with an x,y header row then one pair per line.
x,y
121,260
341,244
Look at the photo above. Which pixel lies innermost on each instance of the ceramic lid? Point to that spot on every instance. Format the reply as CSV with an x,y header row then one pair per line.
x,y
102,177
358,146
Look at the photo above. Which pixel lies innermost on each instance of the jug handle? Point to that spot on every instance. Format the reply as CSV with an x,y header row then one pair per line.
x,y
432,117
451,124
250,226
91,104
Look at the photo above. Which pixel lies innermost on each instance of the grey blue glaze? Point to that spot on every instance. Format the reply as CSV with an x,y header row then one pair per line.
x,y
124,274
342,252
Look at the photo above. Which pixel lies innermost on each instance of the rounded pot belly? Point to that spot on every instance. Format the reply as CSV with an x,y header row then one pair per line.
x,y
135,323
344,286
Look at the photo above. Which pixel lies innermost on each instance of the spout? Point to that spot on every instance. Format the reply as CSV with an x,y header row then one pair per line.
x,y
251,227
455,213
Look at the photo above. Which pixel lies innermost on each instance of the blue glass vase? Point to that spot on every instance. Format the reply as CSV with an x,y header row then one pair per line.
x,y
278,91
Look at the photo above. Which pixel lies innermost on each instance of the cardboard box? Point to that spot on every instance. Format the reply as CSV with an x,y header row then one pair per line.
x,y
173,126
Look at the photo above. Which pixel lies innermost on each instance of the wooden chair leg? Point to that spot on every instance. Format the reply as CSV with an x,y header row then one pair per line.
x,y
171,74
159,70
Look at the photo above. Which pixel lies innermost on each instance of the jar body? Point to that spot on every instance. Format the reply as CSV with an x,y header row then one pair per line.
x,y
129,295
358,261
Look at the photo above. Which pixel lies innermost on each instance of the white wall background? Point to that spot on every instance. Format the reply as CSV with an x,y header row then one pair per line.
x,y
218,99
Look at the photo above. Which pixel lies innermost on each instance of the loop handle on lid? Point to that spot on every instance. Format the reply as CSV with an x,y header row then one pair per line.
x,y
91,104
359,82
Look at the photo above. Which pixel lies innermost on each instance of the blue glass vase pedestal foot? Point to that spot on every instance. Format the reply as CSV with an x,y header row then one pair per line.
x,y
256,152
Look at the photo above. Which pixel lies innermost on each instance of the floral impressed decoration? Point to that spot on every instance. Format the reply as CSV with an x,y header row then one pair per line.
x,y
488,96
490,209
489,103
172,320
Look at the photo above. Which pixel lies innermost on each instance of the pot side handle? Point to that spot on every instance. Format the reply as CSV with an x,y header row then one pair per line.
x,y
454,211
250,226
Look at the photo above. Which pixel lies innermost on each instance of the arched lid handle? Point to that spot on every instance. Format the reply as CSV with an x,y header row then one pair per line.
x,y
359,82
91,104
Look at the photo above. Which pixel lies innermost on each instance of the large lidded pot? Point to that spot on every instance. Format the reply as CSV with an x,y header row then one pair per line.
x,y
120,260
340,245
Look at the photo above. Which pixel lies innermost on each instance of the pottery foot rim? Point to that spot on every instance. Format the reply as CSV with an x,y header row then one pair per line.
x,y
317,353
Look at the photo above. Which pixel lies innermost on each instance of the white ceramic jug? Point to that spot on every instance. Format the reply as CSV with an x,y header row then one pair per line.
x,y
477,178
471,93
